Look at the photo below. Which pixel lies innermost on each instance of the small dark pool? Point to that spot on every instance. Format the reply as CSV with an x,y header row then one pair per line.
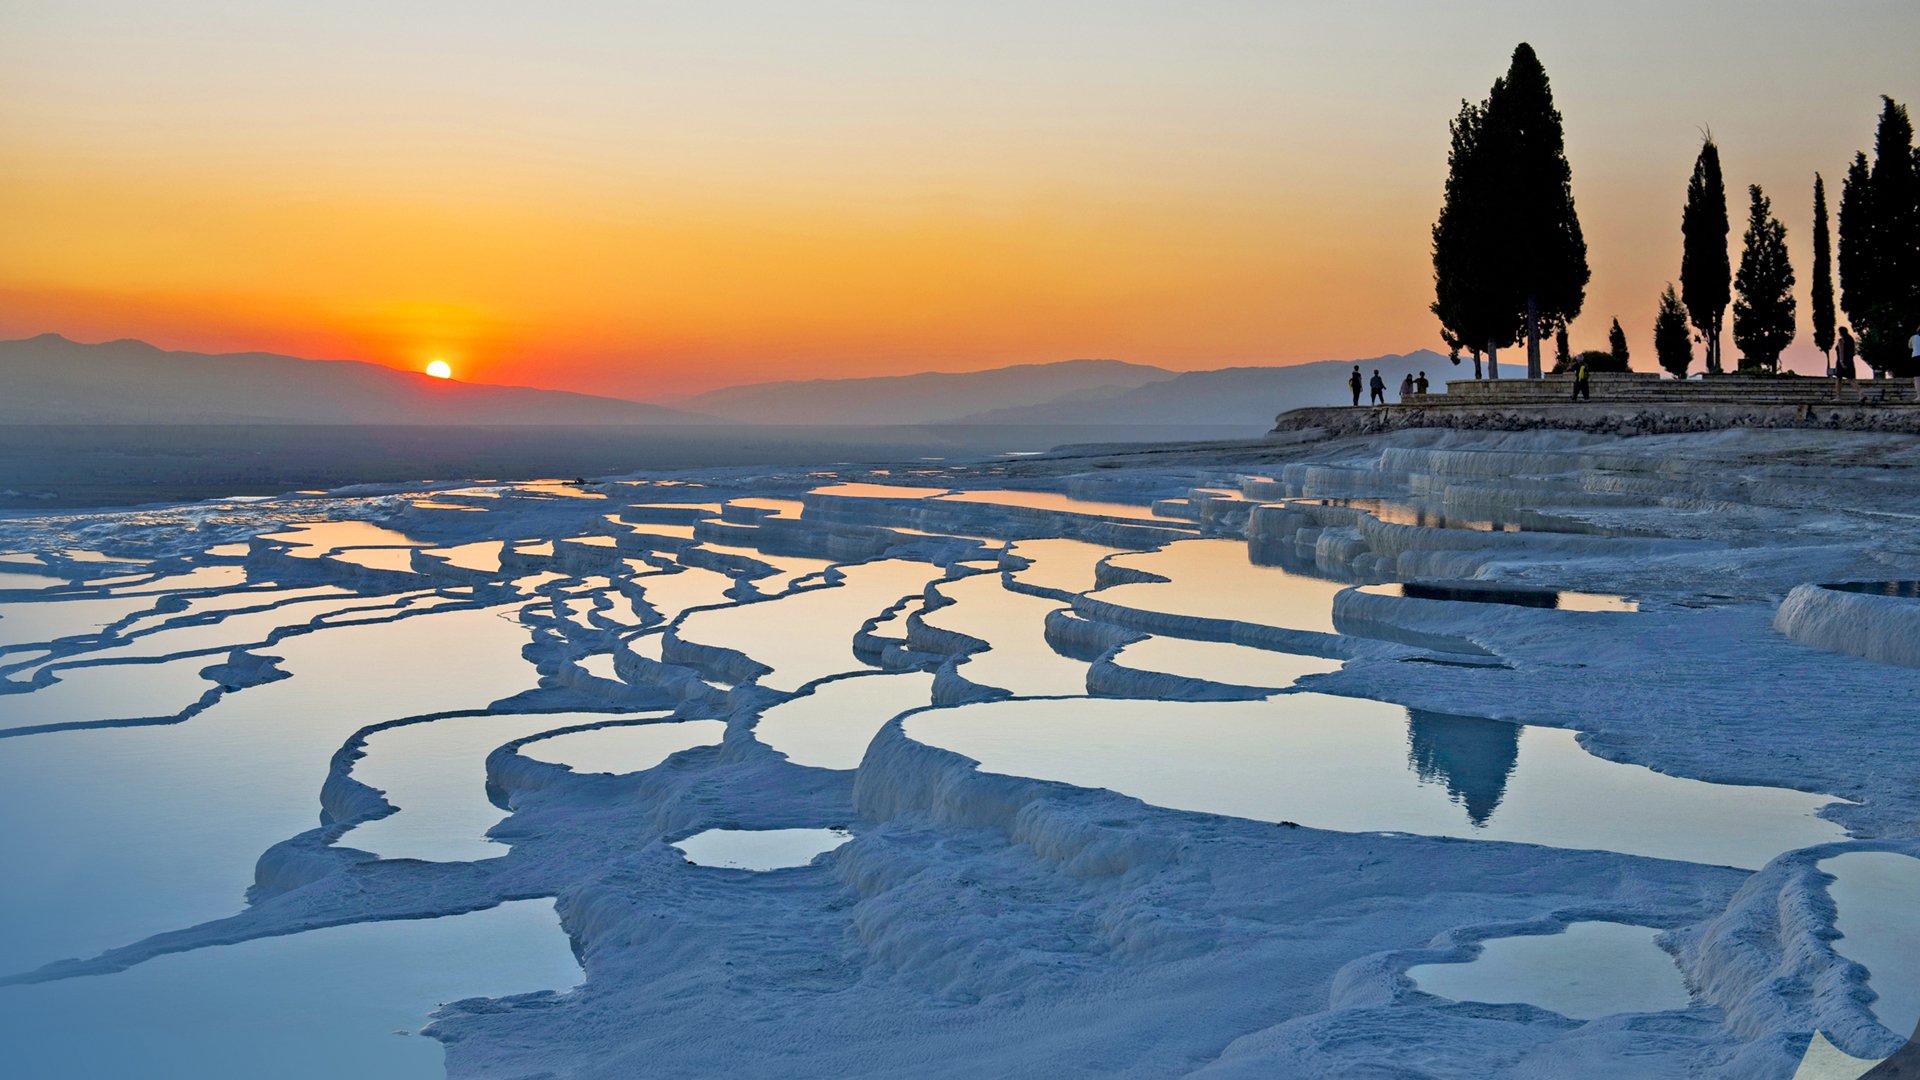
x,y
1498,594
1905,590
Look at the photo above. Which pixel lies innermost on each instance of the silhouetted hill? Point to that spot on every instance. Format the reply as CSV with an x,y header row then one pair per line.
x,y
1245,398
51,380
929,397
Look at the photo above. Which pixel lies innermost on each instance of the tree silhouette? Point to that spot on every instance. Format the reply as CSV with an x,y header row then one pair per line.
x,y
1880,244
1763,315
1543,254
1822,273
1705,273
1672,344
1468,290
1617,344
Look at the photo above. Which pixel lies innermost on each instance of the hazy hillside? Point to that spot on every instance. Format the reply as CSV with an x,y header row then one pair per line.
x,y
929,397
51,380
1245,399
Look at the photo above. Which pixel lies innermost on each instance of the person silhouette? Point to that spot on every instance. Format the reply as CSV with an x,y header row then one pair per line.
x,y
1353,384
1420,385
1913,352
1842,359
1379,387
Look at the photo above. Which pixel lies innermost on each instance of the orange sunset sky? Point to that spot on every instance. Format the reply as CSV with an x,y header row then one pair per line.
x,y
643,199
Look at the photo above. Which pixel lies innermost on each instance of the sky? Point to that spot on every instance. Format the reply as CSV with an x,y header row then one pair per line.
x,y
650,199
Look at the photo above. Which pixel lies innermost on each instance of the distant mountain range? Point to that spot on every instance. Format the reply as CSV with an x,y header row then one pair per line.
x,y
1243,398
51,380
926,398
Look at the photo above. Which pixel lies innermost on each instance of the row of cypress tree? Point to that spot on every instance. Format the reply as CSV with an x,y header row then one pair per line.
x,y
1764,307
1880,245
1510,262
1879,263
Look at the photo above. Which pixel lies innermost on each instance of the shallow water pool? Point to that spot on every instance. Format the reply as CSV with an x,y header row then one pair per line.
x,y
1590,969
760,849
1216,579
808,634
1357,765
1513,596
343,1001
831,727
1876,896
621,746
149,829
1222,662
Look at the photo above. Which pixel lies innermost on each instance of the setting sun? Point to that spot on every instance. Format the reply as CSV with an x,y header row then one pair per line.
x,y
439,370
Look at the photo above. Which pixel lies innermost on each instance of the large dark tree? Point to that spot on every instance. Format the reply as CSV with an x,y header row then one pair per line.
x,y
1880,244
1672,343
1617,344
1763,315
1469,297
1705,273
1543,253
1822,273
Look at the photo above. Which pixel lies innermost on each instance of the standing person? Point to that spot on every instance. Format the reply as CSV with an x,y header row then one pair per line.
x,y
1420,385
1406,387
1353,384
1913,351
1582,389
1379,387
1842,361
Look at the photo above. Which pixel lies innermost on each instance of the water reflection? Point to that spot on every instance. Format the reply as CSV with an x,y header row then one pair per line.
x,y
1470,756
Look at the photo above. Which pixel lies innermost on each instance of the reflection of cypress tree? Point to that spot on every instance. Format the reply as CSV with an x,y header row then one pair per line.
x,y
1470,755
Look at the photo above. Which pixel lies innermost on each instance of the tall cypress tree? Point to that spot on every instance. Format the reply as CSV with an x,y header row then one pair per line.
x,y
1822,273
1857,249
1562,355
1468,298
1672,344
1705,273
1880,244
1617,344
1763,315
1543,252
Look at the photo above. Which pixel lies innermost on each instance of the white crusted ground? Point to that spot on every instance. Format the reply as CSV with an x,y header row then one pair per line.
x,y
984,924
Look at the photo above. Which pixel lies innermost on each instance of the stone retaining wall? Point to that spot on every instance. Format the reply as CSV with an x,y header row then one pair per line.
x,y
1599,416
1644,388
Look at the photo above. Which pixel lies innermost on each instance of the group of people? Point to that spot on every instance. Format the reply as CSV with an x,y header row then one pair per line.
x,y
1377,387
1845,352
1843,369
